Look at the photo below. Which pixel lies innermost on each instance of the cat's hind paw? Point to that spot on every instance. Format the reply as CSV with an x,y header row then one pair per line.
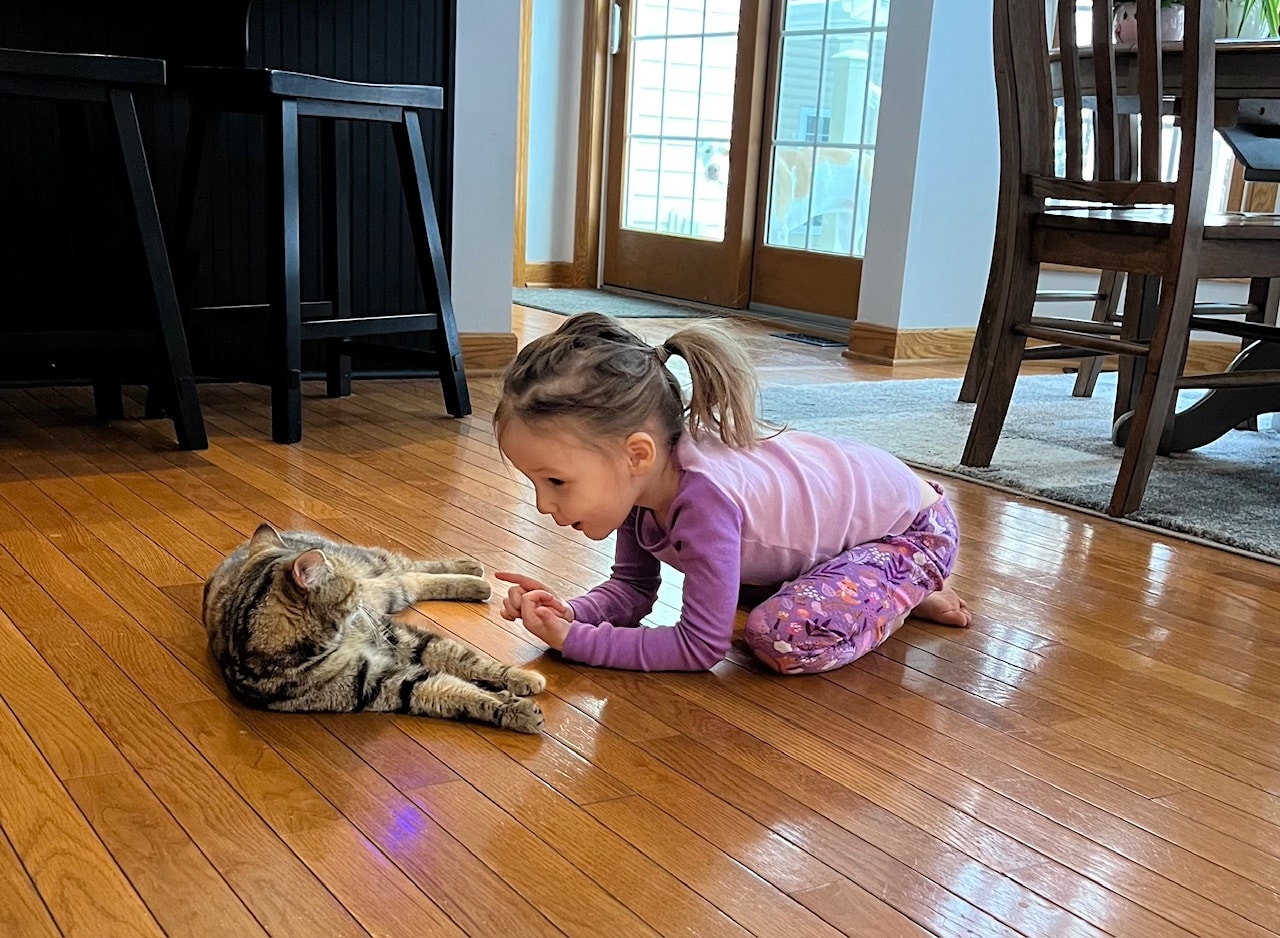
x,y
522,715
525,683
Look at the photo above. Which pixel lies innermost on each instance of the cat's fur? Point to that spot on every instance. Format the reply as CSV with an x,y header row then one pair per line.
x,y
298,622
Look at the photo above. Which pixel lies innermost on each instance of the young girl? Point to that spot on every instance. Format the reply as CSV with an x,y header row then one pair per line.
x,y
846,536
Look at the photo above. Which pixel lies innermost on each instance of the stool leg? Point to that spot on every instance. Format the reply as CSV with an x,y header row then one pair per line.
x,y
335,184
202,133
284,270
430,253
85,181
175,360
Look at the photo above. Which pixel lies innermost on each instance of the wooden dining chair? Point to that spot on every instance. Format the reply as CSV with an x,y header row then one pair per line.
x,y
1155,231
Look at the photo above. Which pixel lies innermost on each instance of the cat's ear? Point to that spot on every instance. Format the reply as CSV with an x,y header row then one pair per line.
x,y
266,536
309,567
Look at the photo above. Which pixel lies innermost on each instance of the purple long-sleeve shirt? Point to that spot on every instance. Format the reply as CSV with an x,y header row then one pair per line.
x,y
760,516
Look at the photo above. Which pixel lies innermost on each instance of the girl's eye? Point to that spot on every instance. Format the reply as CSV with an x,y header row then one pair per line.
x,y
556,482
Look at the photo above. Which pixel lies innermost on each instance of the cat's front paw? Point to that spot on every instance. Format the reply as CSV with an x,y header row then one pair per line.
x,y
468,567
474,588
524,683
522,715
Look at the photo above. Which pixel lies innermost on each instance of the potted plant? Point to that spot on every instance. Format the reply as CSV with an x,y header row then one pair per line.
x,y
1247,19
1171,20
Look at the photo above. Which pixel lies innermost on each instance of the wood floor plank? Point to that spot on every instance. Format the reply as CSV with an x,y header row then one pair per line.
x,y
23,912
769,855
1098,754
472,896
573,901
267,877
66,735
651,893
1009,818
369,885
1100,801
847,828
729,886
84,889
182,889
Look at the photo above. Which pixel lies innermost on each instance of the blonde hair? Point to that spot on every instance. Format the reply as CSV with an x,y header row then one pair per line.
x,y
599,373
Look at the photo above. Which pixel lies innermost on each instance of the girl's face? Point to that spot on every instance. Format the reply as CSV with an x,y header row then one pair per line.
x,y
591,489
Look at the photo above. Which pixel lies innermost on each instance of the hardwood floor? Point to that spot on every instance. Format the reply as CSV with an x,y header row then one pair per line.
x,y
1098,754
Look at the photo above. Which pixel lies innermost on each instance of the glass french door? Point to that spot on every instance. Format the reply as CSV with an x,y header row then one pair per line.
x,y
681,174
742,147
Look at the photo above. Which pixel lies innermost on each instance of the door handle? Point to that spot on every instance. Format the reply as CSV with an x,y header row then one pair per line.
x,y
615,27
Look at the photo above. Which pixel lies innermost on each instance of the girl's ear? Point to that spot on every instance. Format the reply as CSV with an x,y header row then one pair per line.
x,y
641,451
309,567
266,536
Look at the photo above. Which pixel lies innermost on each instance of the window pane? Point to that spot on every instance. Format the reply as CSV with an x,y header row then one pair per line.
x,y
680,117
827,107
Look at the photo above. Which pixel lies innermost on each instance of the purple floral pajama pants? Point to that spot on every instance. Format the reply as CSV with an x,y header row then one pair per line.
x,y
844,608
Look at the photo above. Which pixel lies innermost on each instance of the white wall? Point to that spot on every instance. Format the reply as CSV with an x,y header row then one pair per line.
x,y
484,167
937,169
889,219
555,84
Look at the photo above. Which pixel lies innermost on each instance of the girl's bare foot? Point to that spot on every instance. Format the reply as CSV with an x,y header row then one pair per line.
x,y
944,607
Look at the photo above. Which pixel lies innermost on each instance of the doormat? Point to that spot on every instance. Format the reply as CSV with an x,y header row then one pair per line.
x,y
808,339
571,300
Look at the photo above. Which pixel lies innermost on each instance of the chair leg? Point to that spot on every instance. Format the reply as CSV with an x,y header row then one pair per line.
x,y
985,336
284,271
1104,310
1005,359
1158,394
175,365
1141,307
430,254
335,170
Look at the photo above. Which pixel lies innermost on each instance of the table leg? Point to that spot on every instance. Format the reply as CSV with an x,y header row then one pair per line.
x,y
1222,409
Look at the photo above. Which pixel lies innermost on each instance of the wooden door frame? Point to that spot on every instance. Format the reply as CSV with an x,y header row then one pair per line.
x,y
593,102
580,271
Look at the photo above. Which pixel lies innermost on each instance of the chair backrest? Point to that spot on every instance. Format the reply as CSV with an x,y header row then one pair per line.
x,y
1123,79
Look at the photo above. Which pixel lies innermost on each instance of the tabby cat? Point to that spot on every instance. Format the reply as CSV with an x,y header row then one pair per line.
x,y
298,622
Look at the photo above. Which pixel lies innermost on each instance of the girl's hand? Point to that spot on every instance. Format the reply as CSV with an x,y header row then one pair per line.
x,y
528,593
543,622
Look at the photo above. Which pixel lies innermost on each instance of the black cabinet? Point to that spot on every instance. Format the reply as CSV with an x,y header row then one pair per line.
x,y
361,40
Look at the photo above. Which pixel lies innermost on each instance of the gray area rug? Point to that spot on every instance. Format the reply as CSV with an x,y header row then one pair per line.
x,y
570,300
1057,447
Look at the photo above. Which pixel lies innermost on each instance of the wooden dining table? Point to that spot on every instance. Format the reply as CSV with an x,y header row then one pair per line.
x,y
1247,116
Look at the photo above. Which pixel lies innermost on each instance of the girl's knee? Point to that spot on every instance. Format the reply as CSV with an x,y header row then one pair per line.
x,y
790,643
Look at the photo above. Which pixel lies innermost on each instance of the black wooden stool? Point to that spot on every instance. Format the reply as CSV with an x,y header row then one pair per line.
x,y
73,81
282,98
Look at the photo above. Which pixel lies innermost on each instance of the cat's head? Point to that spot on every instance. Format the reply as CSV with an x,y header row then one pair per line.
x,y
308,578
